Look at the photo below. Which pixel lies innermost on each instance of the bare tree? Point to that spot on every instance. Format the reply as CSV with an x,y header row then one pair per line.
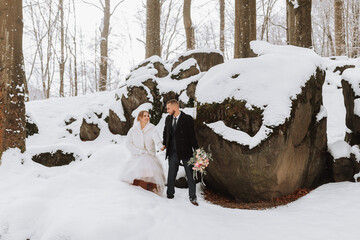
x,y
12,92
222,25
356,29
62,46
267,7
104,40
153,28
189,28
245,27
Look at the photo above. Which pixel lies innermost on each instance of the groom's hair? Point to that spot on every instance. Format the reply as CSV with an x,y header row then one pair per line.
x,y
173,102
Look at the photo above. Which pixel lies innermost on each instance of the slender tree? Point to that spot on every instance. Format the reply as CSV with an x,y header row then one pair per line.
x,y
153,11
222,25
245,27
12,77
104,41
62,48
356,29
189,28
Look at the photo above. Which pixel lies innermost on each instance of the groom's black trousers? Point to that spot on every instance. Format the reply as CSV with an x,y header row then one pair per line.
x,y
174,163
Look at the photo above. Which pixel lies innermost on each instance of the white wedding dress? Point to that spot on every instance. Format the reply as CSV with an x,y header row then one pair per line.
x,y
143,164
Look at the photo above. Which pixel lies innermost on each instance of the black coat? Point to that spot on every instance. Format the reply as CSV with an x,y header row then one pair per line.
x,y
185,137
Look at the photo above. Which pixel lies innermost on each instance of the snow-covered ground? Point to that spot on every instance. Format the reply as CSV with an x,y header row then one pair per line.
x,y
86,199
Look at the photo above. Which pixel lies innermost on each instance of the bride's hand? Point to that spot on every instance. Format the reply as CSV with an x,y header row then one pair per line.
x,y
163,148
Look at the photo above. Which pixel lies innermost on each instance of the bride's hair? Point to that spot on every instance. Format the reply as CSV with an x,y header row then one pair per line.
x,y
141,114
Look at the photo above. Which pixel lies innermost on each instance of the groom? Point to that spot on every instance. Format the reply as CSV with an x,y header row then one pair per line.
x,y
180,142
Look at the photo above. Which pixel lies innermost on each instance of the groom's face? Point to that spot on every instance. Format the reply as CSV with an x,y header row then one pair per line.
x,y
170,109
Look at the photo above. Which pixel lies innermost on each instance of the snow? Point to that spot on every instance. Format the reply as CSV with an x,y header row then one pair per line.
x,y
151,60
165,84
333,101
239,136
86,199
144,106
200,50
339,149
185,65
295,3
269,82
352,75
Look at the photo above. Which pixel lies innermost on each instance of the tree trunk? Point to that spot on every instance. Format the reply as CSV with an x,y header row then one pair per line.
x,y
189,29
222,26
356,30
62,44
104,46
339,27
298,20
245,27
153,28
12,77
75,51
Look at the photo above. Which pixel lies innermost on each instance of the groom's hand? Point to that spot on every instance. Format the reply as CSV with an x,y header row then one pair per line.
x,y
163,148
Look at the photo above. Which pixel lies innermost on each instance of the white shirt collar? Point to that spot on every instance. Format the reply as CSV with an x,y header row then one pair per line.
x,y
177,118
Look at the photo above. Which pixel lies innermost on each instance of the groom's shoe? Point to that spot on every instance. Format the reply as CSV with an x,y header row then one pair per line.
x,y
194,202
170,196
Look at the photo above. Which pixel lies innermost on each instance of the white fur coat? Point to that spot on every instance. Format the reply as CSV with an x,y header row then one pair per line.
x,y
143,141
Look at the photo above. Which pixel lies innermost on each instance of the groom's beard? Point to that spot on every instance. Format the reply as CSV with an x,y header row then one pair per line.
x,y
172,113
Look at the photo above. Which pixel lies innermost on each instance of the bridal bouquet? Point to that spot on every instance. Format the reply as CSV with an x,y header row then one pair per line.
x,y
200,160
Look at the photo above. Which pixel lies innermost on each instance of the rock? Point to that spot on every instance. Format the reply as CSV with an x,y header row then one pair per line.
x,y
156,63
89,131
341,69
352,120
59,158
137,95
116,126
70,121
343,170
188,100
167,96
157,109
181,183
185,70
205,60
292,157
162,71
31,127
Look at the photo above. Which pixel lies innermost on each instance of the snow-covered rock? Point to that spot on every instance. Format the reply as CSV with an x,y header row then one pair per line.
x,y
258,116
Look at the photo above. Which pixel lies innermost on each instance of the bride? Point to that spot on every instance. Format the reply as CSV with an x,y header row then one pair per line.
x,y
144,168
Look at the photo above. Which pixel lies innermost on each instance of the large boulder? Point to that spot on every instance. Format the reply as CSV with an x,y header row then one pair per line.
x,y
206,59
267,140
116,125
351,92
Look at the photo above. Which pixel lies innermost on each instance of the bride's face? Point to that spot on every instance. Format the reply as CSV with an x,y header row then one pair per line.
x,y
145,118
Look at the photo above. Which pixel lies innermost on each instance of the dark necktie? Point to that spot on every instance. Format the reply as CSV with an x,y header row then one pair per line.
x,y
174,124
